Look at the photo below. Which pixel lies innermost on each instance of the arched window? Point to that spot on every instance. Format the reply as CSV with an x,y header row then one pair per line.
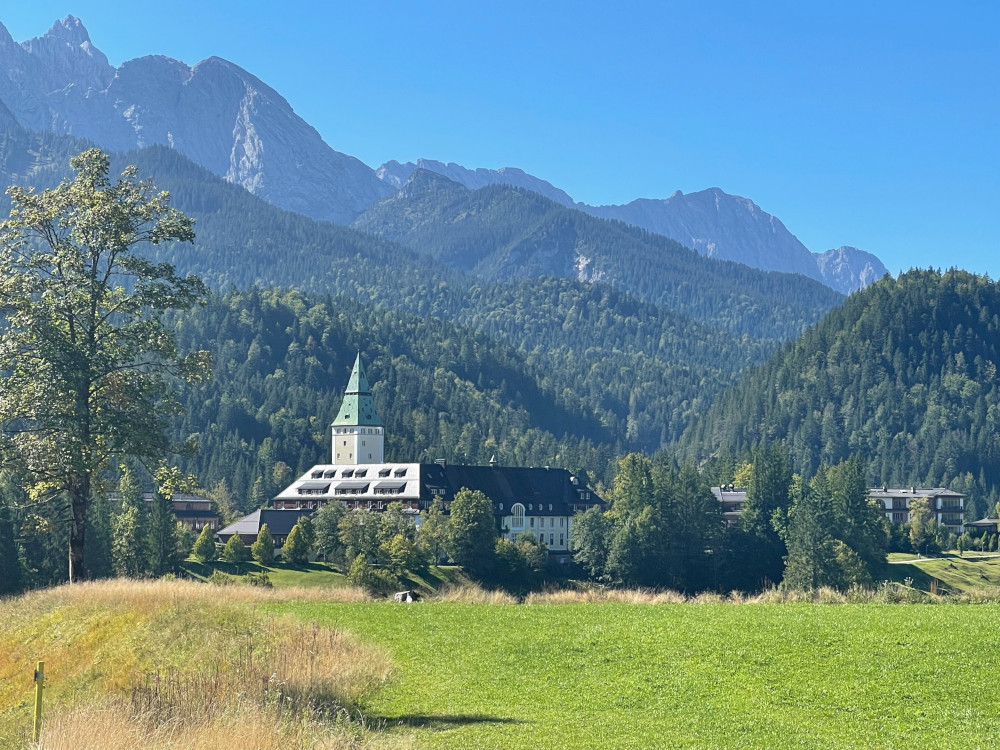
x,y
517,511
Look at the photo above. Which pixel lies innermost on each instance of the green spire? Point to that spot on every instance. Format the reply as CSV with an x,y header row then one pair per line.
x,y
358,408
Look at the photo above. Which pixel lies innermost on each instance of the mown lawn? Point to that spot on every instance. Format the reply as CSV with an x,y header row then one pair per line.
x,y
969,574
683,676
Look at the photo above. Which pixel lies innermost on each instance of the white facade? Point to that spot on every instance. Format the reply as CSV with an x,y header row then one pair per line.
x,y
356,444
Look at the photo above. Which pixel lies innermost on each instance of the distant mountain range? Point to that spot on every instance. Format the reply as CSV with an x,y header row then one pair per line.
x,y
231,123
711,221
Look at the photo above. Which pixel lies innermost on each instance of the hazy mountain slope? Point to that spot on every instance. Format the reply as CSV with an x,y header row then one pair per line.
x,y
216,113
397,175
711,221
904,373
502,233
719,225
849,269
638,370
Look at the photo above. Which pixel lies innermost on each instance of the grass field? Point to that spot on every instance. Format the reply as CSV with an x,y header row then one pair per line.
x,y
968,574
175,665
320,575
682,675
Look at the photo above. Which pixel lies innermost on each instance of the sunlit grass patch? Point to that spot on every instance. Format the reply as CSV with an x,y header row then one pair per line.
x,y
173,656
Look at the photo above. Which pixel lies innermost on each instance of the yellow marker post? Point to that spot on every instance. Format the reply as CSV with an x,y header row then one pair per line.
x,y
39,683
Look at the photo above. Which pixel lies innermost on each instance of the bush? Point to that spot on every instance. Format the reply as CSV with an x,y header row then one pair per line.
x,y
258,579
220,579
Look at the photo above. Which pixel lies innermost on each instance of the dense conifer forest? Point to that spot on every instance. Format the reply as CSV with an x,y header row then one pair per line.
x,y
903,374
480,340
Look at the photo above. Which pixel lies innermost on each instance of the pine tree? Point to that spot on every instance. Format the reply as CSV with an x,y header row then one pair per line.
x,y
263,548
161,542
127,557
204,547
11,578
295,550
235,551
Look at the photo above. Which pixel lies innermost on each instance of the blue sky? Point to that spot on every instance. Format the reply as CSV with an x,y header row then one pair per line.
x,y
867,124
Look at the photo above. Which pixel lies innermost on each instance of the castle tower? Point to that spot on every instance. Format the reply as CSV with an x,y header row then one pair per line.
x,y
358,433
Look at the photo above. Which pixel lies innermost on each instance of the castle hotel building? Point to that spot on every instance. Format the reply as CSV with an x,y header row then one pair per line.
x,y
541,501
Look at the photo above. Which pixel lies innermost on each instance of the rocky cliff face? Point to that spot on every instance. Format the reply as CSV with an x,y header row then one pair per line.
x,y
396,174
719,225
848,269
714,223
216,113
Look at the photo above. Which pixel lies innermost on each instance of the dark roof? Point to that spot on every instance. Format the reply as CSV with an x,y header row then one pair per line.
x,y
324,486
509,485
279,522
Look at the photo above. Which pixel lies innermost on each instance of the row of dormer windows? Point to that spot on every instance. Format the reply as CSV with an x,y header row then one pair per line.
x,y
356,473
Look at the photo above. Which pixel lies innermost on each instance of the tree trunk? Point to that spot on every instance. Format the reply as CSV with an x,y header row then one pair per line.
x,y
80,501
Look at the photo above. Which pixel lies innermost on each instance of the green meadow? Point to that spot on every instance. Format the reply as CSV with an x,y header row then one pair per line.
x,y
681,675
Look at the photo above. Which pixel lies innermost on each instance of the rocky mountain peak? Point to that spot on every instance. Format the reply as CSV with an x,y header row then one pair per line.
x,y
71,30
215,113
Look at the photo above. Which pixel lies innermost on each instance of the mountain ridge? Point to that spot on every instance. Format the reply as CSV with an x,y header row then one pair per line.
x,y
741,230
215,112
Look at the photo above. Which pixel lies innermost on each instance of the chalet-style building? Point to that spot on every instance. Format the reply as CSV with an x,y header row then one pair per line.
x,y
194,511
541,501
947,506
279,523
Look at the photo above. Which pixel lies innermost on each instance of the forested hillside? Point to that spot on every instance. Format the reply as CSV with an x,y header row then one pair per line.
x,y
602,365
500,232
282,363
904,374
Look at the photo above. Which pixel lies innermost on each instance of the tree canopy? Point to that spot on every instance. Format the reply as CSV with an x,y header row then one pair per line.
x,y
88,366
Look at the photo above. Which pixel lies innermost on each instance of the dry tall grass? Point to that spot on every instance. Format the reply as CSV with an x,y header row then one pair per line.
x,y
471,594
180,664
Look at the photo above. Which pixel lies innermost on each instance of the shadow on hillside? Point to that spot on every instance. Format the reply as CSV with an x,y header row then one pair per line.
x,y
440,721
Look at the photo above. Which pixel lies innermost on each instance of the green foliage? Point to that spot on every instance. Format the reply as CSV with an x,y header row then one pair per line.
x,y
472,531
922,526
235,551
326,528
86,361
261,579
433,532
127,552
295,550
373,580
663,529
11,575
204,546
161,535
263,547
904,374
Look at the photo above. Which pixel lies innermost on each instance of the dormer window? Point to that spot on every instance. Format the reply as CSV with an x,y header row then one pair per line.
x,y
400,473
347,473
383,472
361,473
317,474
330,474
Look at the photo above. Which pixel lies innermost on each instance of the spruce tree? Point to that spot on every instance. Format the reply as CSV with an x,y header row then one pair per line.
x,y
295,550
263,548
235,551
204,546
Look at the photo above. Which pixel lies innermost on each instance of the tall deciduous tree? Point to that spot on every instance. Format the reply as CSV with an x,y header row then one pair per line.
x,y
472,531
88,363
